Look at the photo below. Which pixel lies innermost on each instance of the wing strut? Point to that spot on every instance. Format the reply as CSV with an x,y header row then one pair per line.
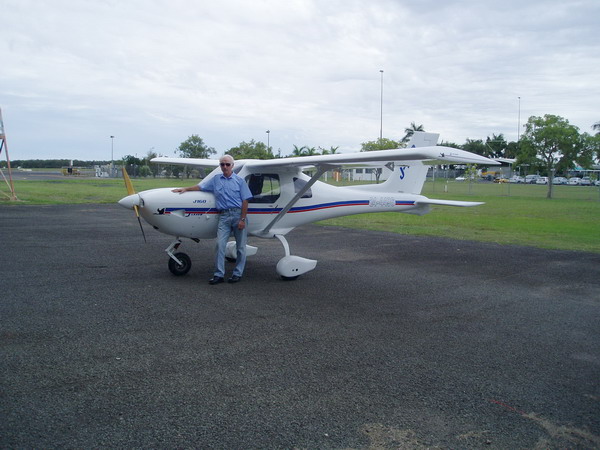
x,y
321,169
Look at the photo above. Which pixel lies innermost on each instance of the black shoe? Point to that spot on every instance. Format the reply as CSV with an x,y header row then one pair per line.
x,y
234,279
216,280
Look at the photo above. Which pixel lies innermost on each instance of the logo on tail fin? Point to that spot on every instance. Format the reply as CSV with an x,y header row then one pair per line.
x,y
402,169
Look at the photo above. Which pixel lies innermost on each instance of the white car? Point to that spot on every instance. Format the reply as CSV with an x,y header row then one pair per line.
x,y
542,180
531,179
585,181
516,179
559,180
574,181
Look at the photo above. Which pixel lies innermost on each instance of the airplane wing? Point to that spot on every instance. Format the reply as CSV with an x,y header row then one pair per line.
x,y
198,162
431,154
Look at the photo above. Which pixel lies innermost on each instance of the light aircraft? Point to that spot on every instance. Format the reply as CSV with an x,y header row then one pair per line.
x,y
285,197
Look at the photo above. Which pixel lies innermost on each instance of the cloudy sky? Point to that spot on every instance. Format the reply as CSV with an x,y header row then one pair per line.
x,y
153,72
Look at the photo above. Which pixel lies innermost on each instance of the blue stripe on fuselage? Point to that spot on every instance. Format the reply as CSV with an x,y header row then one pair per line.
x,y
296,209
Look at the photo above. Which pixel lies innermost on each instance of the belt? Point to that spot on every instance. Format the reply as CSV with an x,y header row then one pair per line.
x,y
229,209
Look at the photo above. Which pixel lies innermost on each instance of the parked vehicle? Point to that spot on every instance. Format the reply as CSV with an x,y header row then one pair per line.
x,y
516,179
574,181
585,181
542,180
531,179
559,180
500,180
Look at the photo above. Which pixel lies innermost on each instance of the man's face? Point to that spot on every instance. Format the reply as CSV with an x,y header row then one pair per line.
x,y
226,167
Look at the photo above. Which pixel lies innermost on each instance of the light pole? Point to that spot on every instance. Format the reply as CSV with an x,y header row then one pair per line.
x,y
112,158
381,112
268,140
519,122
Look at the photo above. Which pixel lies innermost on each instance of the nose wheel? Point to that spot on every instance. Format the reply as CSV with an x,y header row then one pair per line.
x,y
182,267
179,263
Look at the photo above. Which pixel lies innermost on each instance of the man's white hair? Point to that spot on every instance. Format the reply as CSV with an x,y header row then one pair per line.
x,y
228,158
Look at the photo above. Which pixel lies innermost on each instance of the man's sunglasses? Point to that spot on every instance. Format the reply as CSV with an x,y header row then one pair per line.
x,y
225,164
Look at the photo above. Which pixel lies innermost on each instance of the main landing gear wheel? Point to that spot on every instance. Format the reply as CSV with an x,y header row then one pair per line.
x,y
289,278
180,269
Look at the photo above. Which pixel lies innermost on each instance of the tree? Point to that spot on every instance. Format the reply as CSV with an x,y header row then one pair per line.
x,y
512,150
153,167
251,150
554,141
411,130
590,149
450,144
475,146
332,150
496,146
380,144
132,165
299,151
596,127
194,147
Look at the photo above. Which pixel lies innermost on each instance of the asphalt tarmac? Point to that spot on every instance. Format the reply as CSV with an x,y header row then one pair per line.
x,y
391,342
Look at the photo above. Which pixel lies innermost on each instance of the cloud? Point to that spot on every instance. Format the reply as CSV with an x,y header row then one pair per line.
x,y
154,72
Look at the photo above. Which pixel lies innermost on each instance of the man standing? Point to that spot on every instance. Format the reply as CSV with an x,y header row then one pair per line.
x,y
231,195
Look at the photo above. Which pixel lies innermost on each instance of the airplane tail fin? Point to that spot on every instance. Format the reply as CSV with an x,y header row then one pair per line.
x,y
423,139
409,176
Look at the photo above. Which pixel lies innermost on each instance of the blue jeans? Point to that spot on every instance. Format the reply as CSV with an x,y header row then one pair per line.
x,y
228,225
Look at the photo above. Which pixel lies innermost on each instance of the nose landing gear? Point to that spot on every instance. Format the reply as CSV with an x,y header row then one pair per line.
x,y
179,263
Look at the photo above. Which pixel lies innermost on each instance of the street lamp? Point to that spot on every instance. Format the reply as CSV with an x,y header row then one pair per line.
x,y
519,122
268,140
381,112
112,158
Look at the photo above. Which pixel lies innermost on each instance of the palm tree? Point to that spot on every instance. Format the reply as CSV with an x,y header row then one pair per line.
x,y
298,151
411,130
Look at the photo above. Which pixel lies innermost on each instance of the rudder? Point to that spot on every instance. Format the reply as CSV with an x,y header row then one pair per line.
x,y
406,176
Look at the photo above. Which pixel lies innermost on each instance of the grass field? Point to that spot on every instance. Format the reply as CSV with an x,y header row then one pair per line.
x,y
513,214
571,220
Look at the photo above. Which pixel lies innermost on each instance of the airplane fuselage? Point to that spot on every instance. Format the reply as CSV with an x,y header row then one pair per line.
x,y
193,214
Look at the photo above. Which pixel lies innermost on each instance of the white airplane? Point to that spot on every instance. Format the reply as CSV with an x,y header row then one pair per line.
x,y
285,197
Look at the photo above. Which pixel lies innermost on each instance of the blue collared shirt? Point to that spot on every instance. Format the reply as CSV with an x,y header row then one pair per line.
x,y
229,192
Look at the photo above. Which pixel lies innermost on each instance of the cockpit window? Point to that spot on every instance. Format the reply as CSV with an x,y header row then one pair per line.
x,y
299,184
264,187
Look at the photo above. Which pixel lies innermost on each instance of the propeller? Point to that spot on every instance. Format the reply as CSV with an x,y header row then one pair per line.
x,y
130,202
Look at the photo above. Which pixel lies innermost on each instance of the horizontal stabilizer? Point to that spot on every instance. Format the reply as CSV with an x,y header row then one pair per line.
x,y
433,201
